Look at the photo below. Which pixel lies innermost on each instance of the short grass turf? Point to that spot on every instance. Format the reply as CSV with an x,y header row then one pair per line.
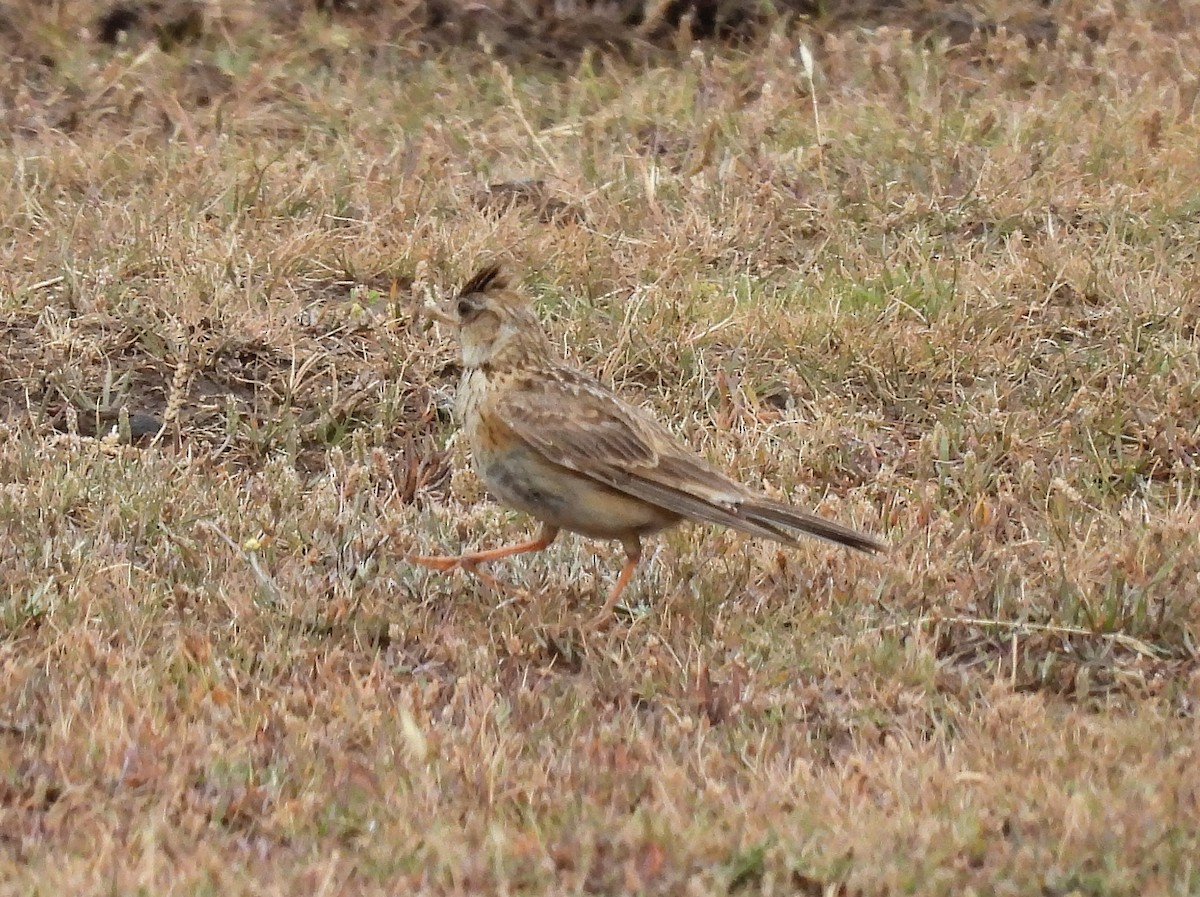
x,y
942,290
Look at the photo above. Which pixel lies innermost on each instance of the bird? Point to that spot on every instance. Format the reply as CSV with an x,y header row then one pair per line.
x,y
555,443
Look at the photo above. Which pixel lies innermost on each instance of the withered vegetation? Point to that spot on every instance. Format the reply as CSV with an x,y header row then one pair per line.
x,y
929,268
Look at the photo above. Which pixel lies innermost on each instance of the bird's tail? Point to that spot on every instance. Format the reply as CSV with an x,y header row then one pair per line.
x,y
784,521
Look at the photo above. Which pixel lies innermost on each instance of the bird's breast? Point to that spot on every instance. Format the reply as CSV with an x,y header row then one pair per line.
x,y
522,478
472,388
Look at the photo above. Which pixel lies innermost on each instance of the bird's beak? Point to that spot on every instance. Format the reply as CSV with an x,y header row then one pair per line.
x,y
439,312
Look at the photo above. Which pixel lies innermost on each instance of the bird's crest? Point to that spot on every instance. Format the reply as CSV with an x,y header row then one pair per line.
x,y
489,278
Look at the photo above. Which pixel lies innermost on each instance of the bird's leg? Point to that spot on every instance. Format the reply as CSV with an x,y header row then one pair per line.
x,y
472,559
633,554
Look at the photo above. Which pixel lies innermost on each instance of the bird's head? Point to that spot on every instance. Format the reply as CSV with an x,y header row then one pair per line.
x,y
495,323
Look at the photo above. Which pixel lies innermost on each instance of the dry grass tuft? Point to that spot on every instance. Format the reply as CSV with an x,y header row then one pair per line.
x,y
940,285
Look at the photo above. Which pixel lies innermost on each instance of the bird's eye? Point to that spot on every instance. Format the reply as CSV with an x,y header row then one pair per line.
x,y
468,308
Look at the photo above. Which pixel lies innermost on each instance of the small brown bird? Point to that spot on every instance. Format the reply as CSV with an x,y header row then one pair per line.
x,y
556,444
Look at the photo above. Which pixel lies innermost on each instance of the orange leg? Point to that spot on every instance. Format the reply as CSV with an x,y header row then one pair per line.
x,y
633,555
471,560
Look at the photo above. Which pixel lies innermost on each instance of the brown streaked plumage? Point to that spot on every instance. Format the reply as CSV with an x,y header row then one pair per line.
x,y
555,443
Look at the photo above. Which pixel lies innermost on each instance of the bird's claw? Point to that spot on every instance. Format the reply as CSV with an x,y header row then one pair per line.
x,y
470,565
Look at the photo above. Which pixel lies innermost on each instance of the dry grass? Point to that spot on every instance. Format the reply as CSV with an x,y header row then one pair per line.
x,y
950,296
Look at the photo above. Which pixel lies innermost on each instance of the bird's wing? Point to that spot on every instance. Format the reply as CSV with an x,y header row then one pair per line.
x,y
576,423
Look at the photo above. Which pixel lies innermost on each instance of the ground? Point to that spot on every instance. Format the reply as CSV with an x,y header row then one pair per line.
x,y
929,269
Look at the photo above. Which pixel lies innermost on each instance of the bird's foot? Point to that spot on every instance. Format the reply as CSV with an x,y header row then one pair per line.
x,y
470,564
443,563
598,623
